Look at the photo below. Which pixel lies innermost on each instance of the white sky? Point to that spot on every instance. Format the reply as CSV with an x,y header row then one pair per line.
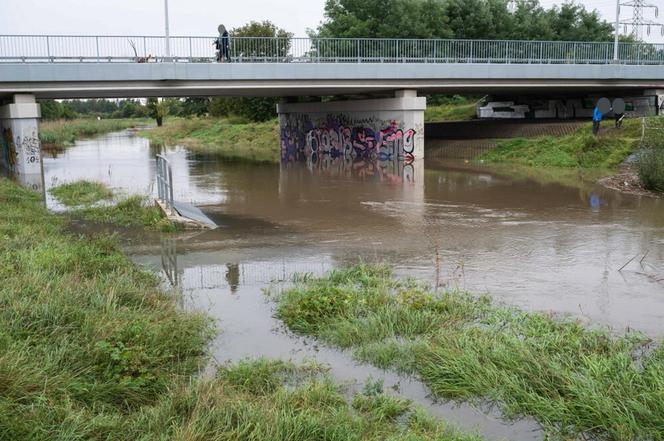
x,y
188,17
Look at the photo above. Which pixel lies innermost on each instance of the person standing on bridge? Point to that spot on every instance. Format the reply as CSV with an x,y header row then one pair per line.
x,y
222,44
597,120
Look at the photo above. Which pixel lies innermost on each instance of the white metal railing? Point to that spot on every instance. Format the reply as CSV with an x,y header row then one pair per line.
x,y
72,48
165,182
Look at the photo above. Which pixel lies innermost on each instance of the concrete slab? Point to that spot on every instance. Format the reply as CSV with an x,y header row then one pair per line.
x,y
193,213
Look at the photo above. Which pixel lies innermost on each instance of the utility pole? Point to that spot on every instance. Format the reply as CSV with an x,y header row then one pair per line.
x,y
168,33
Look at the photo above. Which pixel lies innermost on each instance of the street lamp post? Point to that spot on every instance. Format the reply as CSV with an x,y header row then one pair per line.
x,y
616,54
168,35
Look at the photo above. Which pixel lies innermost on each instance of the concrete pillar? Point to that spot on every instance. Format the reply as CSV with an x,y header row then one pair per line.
x,y
20,145
379,129
658,95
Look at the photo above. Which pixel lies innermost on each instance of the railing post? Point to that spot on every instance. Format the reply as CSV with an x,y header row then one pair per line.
x,y
471,50
318,49
357,44
170,187
191,52
145,47
97,44
48,49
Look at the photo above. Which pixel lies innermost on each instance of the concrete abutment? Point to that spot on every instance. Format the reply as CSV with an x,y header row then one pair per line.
x,y
380,129
20,147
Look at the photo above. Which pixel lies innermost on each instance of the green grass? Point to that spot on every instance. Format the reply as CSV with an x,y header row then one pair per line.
x,y
86,338
233,139
456,108
134,211
581,149
81,193
650,160
62,133
576,382
92,349
275,401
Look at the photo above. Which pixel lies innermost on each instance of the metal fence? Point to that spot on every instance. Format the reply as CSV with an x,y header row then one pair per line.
x,y
165,181
143,49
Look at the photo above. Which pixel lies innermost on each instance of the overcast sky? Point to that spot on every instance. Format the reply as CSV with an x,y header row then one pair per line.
x,y
188,17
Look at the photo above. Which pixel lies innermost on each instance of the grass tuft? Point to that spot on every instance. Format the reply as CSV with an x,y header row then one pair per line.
x,y
81,193
573,380
134,211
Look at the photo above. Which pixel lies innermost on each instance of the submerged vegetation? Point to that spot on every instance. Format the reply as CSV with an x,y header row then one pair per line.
x,y
132,211
91,348
81,193
232,138
580,149
575,381
60,133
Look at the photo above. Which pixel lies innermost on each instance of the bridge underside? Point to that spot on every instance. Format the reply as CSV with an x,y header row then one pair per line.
x,y
126,80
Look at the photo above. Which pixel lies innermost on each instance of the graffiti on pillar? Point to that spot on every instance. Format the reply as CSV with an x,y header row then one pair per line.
x,y
29,146
337,136
8,149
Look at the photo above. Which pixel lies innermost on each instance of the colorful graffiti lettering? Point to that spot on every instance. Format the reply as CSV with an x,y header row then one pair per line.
x,y
337,138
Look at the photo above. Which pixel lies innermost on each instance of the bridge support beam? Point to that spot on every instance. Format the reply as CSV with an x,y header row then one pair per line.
x,y
20,148
380,129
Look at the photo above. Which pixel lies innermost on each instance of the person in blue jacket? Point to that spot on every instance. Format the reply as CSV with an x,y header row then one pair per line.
x,y
597,120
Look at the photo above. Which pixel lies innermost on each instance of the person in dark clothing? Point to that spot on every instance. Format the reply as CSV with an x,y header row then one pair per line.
x,y
222,44
619,120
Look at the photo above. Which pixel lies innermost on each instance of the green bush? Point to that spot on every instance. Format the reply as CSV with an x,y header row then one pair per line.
x,y
650,166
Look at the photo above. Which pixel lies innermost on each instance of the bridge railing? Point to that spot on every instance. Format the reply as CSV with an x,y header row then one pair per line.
x,y
143,49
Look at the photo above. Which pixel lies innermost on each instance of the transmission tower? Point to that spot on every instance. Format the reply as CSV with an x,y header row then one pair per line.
x,y
638,22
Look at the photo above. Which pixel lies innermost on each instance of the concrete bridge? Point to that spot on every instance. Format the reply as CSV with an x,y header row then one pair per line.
x,y
390,72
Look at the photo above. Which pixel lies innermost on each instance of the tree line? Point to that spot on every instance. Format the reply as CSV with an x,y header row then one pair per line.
x,y
462,19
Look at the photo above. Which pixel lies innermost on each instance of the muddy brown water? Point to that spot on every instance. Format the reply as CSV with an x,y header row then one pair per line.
x,y
539,246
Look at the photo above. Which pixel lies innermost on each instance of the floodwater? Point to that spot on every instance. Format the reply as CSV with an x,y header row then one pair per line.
x,y
536,245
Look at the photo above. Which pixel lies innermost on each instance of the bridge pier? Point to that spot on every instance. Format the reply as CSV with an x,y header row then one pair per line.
x,y
20,148
383,129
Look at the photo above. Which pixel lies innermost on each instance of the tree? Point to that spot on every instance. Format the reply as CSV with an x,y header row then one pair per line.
x,y
157,110
463,19
267,40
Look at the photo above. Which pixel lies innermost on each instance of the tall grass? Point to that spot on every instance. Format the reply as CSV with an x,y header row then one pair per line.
x,y
455,108
86,338
233,139
575,381
650,161
580,149
60,133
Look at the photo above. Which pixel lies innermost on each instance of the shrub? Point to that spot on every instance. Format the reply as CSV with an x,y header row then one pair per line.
x,y
650,166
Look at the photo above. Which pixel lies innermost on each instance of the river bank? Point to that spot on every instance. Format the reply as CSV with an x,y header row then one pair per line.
x,y
93,348
228,138
62,133
575,381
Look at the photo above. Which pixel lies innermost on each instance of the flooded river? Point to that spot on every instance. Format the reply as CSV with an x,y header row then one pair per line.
x,y
539,246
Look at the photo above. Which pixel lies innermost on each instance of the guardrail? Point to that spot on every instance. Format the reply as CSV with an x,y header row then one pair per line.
x,y
143,49
165,182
